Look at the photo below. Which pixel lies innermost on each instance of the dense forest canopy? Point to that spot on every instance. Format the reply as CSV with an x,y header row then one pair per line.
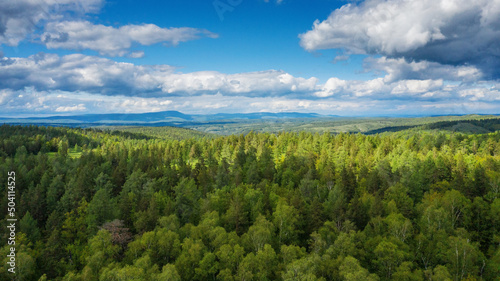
x,y
97,205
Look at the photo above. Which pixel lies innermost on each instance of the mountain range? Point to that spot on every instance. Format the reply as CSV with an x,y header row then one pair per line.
x,y
163,118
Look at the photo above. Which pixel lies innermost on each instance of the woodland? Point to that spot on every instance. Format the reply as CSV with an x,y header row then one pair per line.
x,y
95,204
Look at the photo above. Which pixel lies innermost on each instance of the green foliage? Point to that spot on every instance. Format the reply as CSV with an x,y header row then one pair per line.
x,y
29,226
159,132
409,205
351,270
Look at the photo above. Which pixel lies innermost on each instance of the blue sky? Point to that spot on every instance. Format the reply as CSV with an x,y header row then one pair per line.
x,y
362,58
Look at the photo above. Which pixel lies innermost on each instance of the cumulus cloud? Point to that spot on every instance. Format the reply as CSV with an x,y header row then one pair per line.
x,y
63,28
135,104
454,32
409,87
400,68
4,96
480,94
324,106
271,83
136,55
30,102
14,103
80,107
340,58
378,89
78,72
108,40
21,17
48,83
95,75
353,106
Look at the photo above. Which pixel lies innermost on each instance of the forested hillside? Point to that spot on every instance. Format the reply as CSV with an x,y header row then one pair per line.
x,y
365,125
169,133
471,126
293,206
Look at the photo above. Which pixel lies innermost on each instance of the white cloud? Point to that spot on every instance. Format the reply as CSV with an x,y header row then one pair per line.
x,y
480,94
63,28
379,89
19,18
340,58
48,83
94,75
142,105
99,75
270,83
4,95
30,102
108,40
455,32
416,86
80,73
80,107
332,86
136,55
397,69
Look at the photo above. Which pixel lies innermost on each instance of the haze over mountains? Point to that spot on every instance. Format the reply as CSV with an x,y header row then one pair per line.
x,y
155,118
243,123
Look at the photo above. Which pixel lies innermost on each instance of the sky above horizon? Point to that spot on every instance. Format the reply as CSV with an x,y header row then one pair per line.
x,y
350,58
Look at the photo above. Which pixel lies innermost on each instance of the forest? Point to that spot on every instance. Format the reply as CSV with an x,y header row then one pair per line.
x,y
96,204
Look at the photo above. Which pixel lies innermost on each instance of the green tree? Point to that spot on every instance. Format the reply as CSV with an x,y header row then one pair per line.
x,y
259,234
102,208
462,257
191,255
186,201
405,272
168,273
266,262
285,219
230,257
399,227
208,267
389,257
351,270
75,234
457,206
28,225
303,269
102,252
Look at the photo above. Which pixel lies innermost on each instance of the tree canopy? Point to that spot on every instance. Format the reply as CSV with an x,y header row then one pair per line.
x,y
96,205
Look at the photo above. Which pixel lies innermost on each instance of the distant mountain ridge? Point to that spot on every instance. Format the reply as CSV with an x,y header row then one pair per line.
x,y
155,117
